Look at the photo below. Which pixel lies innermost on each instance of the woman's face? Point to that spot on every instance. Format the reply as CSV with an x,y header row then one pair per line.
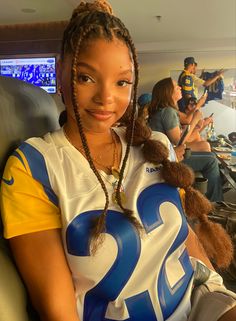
x,y
177,95
104,84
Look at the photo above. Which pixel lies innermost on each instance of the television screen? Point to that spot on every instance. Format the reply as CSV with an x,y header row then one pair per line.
x,y
39,71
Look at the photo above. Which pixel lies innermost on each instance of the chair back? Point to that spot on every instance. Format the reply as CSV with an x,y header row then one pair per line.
x,y
25,111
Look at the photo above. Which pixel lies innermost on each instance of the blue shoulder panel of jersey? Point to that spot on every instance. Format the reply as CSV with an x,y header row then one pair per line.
x,y
38,168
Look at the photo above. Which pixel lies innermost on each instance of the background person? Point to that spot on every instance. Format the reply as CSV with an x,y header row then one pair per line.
x,y
192,105
143,104
81,215
163,117
188,81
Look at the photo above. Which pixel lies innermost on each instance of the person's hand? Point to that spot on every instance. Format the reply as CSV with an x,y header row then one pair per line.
x,y
197,116
201,101
220,72
179,151
207,121
199,124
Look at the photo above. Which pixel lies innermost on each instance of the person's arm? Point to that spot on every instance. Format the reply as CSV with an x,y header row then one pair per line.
x,y
205,122
174,135
196,117
41,261
196,250
179,151
201,101
32,223
186,118
210,81
171,124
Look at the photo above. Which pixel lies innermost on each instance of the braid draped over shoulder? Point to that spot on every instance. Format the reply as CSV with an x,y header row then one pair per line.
x,y
215,240
95,20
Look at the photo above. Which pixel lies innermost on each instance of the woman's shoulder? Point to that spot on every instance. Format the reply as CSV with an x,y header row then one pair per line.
x,y
161,137
48,141
169,110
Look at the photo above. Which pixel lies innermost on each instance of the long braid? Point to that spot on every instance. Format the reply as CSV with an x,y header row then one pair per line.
x,y
99,224
215,240
126,211
83,27
93,21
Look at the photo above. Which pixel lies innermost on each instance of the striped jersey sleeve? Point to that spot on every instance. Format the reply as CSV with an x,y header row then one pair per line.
x,y
28,202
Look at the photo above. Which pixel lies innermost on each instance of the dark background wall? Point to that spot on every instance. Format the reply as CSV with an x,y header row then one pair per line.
x,y
37,38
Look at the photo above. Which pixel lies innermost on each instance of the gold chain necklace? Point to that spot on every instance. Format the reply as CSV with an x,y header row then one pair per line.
x,y
112,169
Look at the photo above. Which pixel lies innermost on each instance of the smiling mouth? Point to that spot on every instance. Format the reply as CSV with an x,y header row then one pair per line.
x,y
100,114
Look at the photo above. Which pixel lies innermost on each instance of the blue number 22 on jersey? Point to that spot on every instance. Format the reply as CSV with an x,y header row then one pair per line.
x,y
129,246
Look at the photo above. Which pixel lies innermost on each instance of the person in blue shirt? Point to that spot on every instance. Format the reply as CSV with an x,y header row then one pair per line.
x,y
189,82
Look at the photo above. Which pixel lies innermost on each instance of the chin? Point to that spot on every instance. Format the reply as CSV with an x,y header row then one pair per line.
x,y
98,128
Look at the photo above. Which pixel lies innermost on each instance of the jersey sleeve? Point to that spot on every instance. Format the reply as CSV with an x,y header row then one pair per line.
x,y
28,203
198,81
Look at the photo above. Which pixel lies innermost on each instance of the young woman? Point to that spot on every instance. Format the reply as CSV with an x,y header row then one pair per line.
x,y
164,115
93,212
191,106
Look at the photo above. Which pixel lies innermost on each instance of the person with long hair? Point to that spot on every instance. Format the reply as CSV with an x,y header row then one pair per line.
x,y
93,211
164,117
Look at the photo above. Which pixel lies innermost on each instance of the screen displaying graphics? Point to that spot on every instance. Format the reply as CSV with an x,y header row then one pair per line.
x,y
36,71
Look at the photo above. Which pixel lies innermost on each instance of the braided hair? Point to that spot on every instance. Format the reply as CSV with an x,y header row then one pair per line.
x,y
92,21
95,20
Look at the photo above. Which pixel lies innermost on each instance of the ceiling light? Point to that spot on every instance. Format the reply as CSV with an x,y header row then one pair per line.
x,y
158,18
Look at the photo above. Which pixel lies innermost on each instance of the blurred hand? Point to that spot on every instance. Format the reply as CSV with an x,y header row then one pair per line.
x,y
197,116
179,151
208,120
220,72
199,124
202,100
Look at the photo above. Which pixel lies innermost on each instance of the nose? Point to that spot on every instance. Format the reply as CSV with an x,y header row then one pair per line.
x,y
104,95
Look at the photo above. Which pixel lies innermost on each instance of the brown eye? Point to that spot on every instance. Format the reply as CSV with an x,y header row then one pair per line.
x,y
84,78
123,83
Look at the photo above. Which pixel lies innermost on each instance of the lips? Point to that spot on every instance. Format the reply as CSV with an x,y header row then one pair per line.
x,y
100,114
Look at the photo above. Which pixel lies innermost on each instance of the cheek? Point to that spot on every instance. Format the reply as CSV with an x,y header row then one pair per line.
x,y
124,102
127,95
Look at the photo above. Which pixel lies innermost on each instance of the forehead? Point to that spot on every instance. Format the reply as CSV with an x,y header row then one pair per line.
x,y
99,52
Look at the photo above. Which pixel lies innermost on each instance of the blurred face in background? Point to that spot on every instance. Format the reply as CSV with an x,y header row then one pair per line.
x,y
191,104
194,69
177,95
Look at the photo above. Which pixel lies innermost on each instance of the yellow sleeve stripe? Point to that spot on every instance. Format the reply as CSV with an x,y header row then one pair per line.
x,y
187,88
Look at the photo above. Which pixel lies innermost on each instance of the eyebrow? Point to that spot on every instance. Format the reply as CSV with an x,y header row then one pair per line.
x,y
84,64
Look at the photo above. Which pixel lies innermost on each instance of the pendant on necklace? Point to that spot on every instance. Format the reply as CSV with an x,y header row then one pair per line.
x,y
122,197
115,172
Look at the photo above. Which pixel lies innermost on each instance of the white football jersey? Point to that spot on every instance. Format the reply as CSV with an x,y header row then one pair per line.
x,y
132,276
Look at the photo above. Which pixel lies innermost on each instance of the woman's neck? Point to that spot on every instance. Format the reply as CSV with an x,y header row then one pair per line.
x,y
94,139
105,148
